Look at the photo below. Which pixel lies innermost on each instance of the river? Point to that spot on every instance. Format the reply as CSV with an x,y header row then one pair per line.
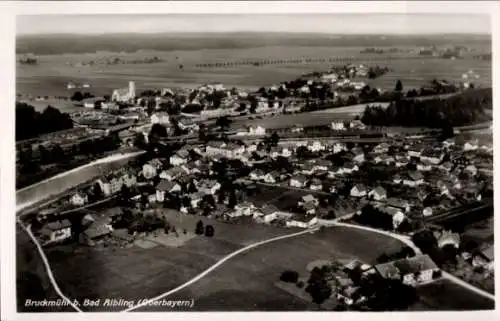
x,y
57,184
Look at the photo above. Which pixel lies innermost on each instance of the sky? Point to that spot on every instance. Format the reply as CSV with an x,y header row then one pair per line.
x,y
367,23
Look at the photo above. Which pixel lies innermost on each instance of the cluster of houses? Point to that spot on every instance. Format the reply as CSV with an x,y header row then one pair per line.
x,y
411,271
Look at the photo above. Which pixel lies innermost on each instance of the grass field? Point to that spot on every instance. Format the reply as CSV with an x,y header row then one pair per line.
x,y
246,282
444,295
285,121
52,74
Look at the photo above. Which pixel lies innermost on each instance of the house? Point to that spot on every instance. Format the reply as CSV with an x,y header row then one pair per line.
x,y
357,124
316,185
209,187
321,164
180,157
270,213
79,199
378,193
484,258
161,118
298,181
413,178
401,204
470,170
424,166
338,125
432,156
358,190
215,148
415,151
271,177
316,147
381,148
397,179
338,147
446,166
308,199
172,173
110,185
359,156
56,231
258,131
448,238
397,214
91,102
186,123
309,208
401,160
124,94
411,271
245,208
383,158
307,169
165,187
349,167
471,145
302,222
151,168
196,199
257,175
97,230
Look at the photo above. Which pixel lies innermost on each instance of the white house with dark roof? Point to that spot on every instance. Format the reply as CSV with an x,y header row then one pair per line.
x,y
56,231
298,181
411,271
166,187
358,190
151,168
180,157
413,178
79,199
378,193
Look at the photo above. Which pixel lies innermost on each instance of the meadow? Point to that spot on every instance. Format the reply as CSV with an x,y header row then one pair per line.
x,y
54,71
246,282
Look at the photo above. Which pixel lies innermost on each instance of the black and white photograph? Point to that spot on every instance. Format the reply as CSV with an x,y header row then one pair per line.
x,y
239,162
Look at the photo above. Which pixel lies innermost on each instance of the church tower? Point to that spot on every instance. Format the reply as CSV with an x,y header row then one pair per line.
x,y
131,89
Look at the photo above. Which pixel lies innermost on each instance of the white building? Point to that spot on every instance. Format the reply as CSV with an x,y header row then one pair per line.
x,y
124,94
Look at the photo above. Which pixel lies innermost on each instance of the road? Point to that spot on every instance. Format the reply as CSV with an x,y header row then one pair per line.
x,y
216,265
402,238
470,287
47,266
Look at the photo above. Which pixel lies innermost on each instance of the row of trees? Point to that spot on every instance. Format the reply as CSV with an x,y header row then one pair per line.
x,y
458,110
31,123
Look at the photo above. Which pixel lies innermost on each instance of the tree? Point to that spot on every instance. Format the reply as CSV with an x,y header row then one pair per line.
x,y
232,200
223,123
289,276
199,228
399,86
77,96
209,231
158,130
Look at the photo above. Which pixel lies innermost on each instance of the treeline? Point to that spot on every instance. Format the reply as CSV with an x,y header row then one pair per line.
x,y
57,44
30,123
262,62
458,110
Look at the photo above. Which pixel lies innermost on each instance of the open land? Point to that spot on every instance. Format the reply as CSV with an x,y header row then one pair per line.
x,y
245,282
52,74
445,295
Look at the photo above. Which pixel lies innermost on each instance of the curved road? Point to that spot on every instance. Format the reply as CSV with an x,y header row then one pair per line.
x,y
47,267
404,239
216,265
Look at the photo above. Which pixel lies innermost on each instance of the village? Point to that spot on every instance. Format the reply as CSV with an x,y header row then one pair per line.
x,y
202,170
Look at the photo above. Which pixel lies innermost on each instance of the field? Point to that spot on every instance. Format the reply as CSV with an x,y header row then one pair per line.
x,y
246,282
53,73
286,121
445,296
